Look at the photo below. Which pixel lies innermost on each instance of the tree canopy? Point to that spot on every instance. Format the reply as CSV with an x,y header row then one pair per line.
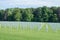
x,y
40,14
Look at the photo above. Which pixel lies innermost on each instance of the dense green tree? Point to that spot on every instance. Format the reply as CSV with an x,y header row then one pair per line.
x,y
45,13
7,14
54,14
1,15
55,19
40,14
58,13
50,14
27,15
54,9
16,14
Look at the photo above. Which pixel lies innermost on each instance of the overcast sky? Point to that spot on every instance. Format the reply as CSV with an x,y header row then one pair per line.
x,y
28,3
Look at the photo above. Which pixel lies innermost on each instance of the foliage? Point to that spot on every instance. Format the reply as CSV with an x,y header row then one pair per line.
x,y
40,14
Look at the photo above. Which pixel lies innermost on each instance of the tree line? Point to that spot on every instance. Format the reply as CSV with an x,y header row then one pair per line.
x,y
40,14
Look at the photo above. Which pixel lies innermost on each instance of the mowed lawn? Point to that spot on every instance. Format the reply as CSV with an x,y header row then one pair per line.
x,y
17,34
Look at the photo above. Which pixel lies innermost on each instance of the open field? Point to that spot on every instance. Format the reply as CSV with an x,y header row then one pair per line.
x,y
29,31
26,34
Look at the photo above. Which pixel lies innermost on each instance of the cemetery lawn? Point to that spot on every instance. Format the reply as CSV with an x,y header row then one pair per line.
x,y
7,34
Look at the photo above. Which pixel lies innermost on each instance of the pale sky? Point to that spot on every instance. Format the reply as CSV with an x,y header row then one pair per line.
x,y
28,3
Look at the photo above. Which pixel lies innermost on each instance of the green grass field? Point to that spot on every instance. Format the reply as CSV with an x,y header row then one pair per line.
x,y
27,34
